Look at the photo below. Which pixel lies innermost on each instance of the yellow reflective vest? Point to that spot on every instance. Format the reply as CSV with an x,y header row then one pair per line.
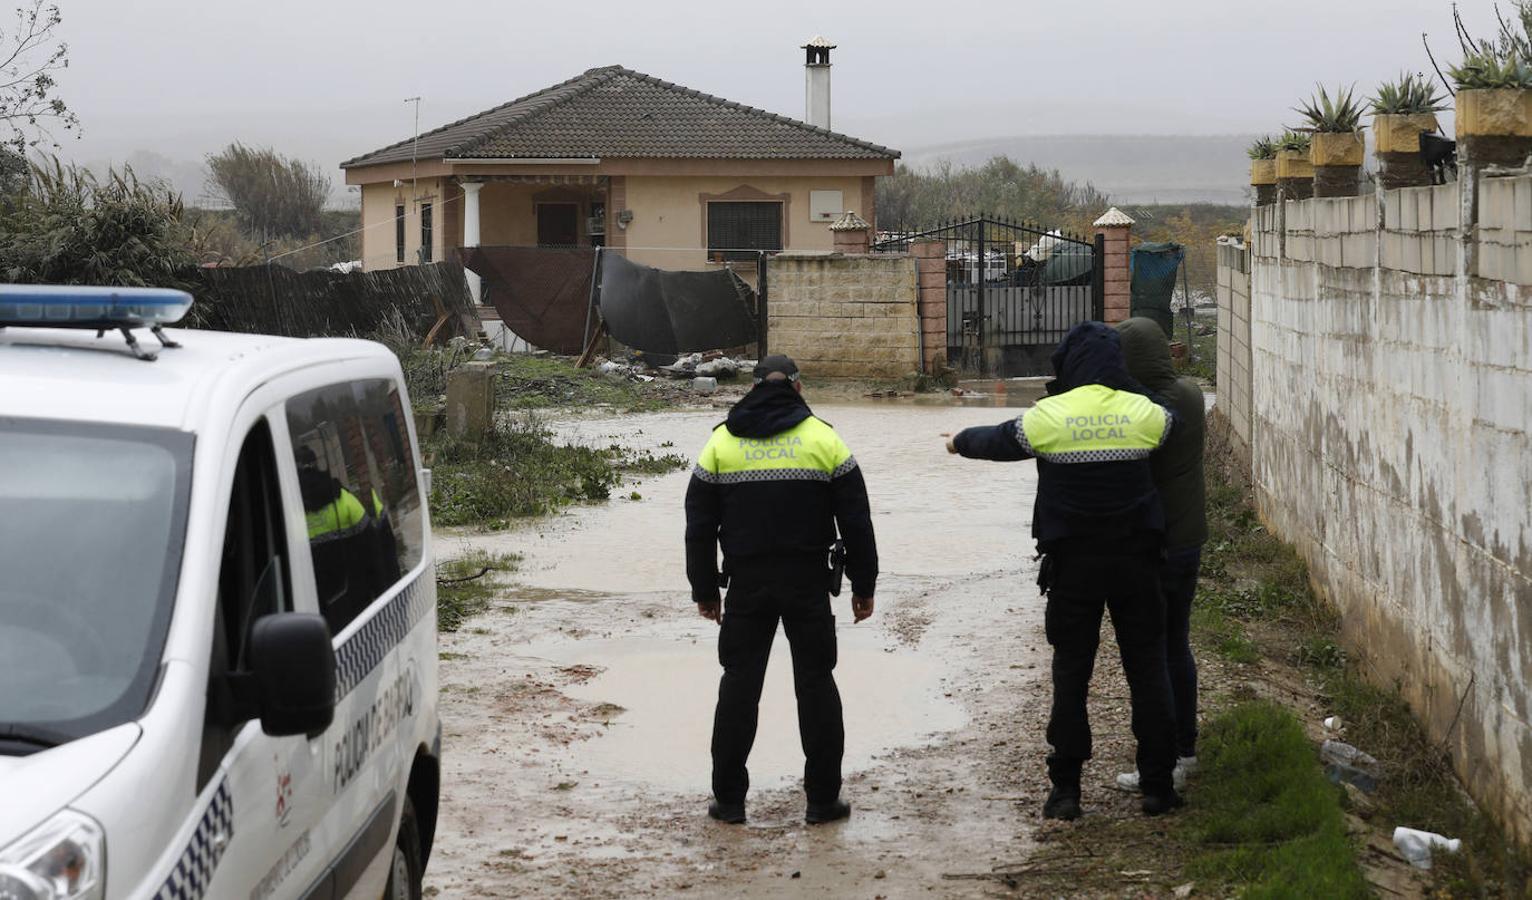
x,y
1093,423
809,451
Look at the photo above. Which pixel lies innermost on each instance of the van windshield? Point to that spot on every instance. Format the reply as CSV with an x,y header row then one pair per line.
x,y
92,520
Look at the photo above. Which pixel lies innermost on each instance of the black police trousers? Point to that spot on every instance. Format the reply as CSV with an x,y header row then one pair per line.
x,y
751,611
1128,586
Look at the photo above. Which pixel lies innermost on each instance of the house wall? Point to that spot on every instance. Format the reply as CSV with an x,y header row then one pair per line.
x,y
668,230
1231,416
1390,424
852,316
378,202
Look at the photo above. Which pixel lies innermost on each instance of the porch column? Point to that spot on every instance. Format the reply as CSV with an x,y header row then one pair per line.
x,y
1114,227
471,231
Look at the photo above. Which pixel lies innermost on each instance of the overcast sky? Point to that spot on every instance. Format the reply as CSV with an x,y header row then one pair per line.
x,y
326,79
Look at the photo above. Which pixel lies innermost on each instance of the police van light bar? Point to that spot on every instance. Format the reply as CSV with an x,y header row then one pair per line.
x,y
69,306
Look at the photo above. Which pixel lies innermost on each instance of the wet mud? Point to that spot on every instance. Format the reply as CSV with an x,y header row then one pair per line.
x,y
577,710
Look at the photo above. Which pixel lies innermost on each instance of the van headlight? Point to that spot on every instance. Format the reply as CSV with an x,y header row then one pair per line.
x,y
62,859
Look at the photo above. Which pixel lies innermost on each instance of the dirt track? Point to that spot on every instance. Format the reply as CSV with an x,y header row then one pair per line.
x,y
577,710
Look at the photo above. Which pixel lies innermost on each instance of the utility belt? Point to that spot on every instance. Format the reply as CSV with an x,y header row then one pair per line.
x,y
795,569
1052,555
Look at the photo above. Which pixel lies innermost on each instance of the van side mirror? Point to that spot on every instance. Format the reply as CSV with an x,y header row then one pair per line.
x,y
292,667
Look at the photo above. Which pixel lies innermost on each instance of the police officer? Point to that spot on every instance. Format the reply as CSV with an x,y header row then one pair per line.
x,y
771,487
1098,525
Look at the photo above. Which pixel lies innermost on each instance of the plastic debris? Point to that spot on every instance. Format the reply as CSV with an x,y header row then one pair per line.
x,y
1416,846
1345,754
1334,723
704,385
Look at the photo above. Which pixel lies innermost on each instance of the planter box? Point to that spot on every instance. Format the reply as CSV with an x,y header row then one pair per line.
x,y
1400,133
1337,149
1292,164
1494,113
1263,171
1494,127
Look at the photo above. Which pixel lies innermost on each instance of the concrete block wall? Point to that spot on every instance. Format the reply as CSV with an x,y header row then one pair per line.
x,y
845,316
1390,433
1232,411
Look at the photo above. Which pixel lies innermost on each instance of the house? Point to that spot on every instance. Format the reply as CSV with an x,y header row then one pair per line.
x,y
676,178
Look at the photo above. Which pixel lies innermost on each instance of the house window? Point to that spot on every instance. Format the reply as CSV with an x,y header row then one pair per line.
x,y
399,233
738,230
425,232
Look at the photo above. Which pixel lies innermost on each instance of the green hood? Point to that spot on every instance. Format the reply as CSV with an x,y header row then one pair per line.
x,y
1147,352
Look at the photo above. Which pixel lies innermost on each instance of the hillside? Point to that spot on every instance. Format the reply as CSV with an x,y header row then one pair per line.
x,y
1129,168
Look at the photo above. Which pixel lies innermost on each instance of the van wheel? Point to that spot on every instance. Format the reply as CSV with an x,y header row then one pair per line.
x,y
404,871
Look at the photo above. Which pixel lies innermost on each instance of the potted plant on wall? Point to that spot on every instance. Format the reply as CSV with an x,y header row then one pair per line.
x,y
1295,174
1494,98
1402,111
1263,169
1336,148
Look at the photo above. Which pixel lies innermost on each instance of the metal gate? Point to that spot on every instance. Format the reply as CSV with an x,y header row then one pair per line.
x,y
1013,291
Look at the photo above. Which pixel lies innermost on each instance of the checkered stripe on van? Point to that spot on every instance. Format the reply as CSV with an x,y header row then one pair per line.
x,y
194,870
362,652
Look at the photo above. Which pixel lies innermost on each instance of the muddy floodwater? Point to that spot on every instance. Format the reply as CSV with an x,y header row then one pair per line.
x,y
578,709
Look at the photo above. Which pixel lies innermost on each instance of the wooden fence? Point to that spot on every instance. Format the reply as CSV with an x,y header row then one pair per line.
x,y
321,303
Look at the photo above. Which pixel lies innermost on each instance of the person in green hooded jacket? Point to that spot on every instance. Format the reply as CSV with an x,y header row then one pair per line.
x,y
1178,477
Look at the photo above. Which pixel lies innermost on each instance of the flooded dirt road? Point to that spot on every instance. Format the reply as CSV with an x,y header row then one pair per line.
x,y
577,709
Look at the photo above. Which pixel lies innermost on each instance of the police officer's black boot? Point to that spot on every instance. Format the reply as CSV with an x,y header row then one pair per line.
x,y
1161,802
834,811
1064,800
728,813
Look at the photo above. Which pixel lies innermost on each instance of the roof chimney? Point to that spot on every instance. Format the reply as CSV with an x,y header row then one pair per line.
x,y
816,69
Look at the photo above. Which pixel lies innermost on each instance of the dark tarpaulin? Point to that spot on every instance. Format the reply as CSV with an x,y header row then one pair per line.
x,y
541,293
1154,281
675,312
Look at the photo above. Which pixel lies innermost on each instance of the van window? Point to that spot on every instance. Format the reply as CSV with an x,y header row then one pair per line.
x,y
92,520
357,475
253,581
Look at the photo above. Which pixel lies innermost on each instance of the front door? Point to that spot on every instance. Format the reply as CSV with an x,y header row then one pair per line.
x,y
558,224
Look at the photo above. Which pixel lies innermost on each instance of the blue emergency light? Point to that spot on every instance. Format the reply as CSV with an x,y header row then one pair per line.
x,y
99,308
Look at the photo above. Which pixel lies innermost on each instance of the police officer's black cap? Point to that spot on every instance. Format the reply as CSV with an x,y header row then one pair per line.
x,y
776,363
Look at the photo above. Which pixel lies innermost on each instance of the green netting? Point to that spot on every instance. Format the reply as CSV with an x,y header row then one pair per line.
x,y
1154,268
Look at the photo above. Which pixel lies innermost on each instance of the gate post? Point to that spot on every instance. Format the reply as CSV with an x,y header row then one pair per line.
x,y
931,275
1117,282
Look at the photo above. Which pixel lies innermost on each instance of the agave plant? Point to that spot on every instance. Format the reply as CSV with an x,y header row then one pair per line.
x,y
1412,94
1341,114
1490,69
1295,141
1262,148
1505,62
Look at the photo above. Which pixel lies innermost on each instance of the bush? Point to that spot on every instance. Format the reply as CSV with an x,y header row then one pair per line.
x,y
69,227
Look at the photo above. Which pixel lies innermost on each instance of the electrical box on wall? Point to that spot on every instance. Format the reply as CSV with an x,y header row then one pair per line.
x,y
826,206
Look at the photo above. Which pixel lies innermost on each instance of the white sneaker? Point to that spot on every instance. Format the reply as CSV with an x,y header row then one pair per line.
x,y
1185,766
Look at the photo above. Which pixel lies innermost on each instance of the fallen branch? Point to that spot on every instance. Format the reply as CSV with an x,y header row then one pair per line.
x,y
482,572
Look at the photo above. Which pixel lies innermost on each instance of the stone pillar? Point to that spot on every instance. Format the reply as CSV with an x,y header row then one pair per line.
x,y
1114,227
471,400
852,234
931,273
471,232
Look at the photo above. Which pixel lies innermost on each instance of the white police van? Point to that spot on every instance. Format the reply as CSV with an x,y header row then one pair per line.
x,y
217,610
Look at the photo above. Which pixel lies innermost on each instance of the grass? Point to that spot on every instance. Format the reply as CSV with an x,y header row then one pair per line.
x,y
540,382
464,587
1256,602
518,471
515,472
1266,817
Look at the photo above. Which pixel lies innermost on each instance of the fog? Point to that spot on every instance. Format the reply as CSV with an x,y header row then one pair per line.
x,y
327,80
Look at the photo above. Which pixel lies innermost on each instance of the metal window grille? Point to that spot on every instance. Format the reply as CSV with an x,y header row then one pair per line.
x,y
399,233
740,230
425,232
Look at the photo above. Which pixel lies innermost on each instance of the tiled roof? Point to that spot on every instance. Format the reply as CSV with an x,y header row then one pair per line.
x,y
615,112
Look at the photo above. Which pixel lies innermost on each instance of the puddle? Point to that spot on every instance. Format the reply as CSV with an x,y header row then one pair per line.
x,y
935,514
667,690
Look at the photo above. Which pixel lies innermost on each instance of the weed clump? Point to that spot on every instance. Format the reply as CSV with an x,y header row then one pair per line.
x,y
466,584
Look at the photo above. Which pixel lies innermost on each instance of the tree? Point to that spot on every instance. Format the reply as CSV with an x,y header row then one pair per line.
x,y
918,199
273,196
28,58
